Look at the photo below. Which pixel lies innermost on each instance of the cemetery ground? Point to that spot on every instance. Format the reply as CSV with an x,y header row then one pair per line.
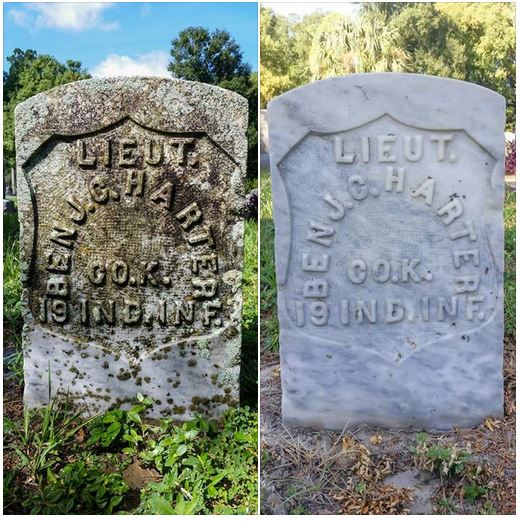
x,y
58,463
382,471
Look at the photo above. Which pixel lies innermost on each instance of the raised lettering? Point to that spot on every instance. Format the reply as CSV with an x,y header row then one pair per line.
x,y
135,183
357,271
384,149
451,211
315,262
204,288
357,187
315,288
338,211
126,152
466,256
413,152
426,190
163,194
467,283
394,176
63,236
189,216
340,154
318,233
318,313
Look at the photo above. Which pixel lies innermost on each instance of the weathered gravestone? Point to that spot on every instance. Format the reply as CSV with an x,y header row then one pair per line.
x,y
388,193
130,197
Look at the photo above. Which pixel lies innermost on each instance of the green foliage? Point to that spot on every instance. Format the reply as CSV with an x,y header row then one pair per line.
x,y
465,41
473,491
117,428
446,506
284,52
488,32
446,461
215,58
203,467
209,57
268,288
206,469
367,43
29,74
40,441
510,264
12,281
249,352
14,363
473,41
432,41
82,487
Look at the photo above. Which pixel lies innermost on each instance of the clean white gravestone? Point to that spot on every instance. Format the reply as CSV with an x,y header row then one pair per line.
x,y
388,195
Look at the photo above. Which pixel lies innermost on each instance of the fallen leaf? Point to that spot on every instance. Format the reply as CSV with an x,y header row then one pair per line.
x,y
376,439
490,424
137,477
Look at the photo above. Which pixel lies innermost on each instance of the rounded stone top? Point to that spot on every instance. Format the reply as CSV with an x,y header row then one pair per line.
x,y
168,105
335,104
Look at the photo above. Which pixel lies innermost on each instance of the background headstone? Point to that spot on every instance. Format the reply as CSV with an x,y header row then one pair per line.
x,y
130,198
388,192
264,140
13,181
9,206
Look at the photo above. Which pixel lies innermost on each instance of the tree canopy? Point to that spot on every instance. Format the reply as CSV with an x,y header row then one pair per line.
x,y
209,57
215,58
29,74
474,42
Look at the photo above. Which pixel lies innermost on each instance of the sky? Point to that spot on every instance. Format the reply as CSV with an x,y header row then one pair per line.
x,y
112,39
304,8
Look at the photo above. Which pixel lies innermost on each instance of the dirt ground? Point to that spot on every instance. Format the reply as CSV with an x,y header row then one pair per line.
x,y
372,471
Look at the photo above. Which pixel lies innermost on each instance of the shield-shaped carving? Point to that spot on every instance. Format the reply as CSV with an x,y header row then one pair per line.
x,y
133,246
388,249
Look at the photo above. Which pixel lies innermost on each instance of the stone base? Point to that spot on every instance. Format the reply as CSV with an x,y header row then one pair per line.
x,y
332,386
183,378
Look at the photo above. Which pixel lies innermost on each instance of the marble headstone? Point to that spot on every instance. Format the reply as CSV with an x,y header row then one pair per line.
x,y
388,195
130,195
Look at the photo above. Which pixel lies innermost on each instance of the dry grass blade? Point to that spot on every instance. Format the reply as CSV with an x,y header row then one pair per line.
x,y
380,499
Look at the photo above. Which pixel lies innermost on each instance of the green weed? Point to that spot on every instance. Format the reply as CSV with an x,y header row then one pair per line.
x,y
206,469
44,436
510,264
203,467
445,461
268,289
446,506
12,281
458,470
120,429
82,487
14,363
473,491
249,353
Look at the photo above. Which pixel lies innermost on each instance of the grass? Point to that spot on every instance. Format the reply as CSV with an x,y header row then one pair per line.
x,y
510,264
57,463
12,283
13,359
61,465
268,310
249,353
